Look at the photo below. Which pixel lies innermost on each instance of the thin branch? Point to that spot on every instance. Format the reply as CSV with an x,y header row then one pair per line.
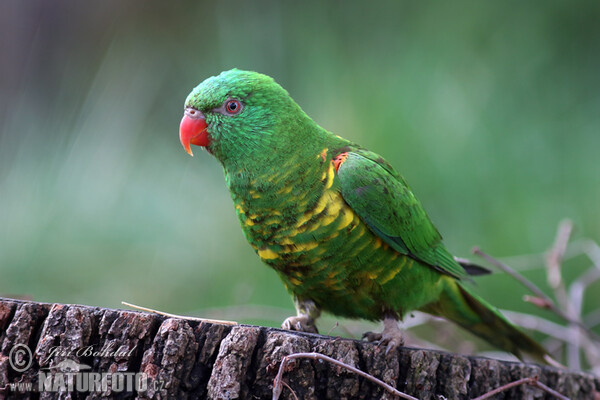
x,y
575,297
591,351
535,261
246,312
554,260
336,325
591,250
290,389
525,381
579,286
212,321
550,391
547,301
533,322
537,301
278,382
527,283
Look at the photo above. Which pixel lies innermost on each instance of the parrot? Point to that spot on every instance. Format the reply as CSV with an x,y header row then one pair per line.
x,y
342,229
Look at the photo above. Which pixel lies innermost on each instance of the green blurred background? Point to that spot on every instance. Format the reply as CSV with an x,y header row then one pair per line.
x,y
491,110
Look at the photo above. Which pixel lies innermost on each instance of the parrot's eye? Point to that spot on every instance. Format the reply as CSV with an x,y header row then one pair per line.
x,y
233,106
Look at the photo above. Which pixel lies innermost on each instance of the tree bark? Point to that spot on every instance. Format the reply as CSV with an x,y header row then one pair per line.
x,y
184,359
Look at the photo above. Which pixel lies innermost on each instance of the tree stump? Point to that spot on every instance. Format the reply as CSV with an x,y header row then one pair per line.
x,y
181,359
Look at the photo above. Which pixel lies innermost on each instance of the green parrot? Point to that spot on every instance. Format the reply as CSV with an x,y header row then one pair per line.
x,y
340,226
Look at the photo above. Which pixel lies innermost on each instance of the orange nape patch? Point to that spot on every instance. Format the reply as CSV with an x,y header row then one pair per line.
x,y
339,160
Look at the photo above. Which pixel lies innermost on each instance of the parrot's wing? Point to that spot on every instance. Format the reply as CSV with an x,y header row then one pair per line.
x,y
383,200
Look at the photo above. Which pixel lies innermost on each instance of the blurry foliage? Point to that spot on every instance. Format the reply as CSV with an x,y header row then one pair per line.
x,y
491,110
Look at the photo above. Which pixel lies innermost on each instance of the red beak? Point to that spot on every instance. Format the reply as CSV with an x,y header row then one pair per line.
x,y
192,130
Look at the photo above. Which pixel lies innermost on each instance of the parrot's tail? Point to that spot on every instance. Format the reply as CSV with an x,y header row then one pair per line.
x,y
479,317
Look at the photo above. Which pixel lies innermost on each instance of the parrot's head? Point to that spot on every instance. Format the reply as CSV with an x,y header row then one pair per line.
x,y
240,115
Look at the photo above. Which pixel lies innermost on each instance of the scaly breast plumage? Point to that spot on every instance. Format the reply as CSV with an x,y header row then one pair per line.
x,y
315,235
307,234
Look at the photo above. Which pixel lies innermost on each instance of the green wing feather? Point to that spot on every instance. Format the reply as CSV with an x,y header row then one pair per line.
x,y
384,201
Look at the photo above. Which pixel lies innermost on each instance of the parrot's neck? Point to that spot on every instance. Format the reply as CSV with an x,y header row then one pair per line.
x,y
291,164
285,180
271,197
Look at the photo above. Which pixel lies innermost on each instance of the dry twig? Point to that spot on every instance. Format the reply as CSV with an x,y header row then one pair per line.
x,y
290,389
278,382
577,337
211,321
527,283
525,381
554,260
541,298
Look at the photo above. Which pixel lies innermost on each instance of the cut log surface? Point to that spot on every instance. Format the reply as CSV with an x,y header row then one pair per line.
x,y
187,359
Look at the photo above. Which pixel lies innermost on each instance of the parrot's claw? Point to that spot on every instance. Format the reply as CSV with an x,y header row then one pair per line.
x,y
392,341
300,323
391,335
304,321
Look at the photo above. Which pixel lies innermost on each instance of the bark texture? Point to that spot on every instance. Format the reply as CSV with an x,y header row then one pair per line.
x,y
184,359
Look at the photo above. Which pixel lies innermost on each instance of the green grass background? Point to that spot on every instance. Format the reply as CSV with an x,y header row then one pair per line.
x,y
491,110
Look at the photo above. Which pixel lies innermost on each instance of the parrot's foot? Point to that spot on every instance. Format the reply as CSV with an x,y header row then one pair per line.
x,y
304,321
391,335
300,323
